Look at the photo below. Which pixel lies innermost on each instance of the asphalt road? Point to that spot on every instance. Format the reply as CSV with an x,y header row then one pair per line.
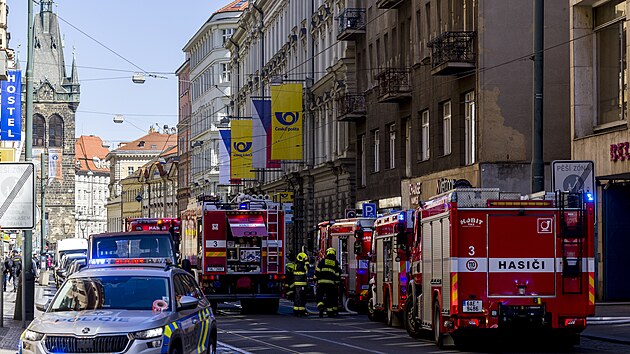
x,y
283,333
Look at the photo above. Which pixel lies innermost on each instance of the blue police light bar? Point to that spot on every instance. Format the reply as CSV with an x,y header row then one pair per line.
x,y
401,216
589,197
242,206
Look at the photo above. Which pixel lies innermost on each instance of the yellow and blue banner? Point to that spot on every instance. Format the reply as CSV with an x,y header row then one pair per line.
x,y
286,122
242,148
11,107
225,152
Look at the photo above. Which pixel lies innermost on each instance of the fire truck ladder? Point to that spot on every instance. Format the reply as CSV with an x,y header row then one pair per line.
x,y
273,243
572,236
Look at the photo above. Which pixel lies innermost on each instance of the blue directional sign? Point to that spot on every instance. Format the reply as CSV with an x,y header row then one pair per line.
x,y
369,210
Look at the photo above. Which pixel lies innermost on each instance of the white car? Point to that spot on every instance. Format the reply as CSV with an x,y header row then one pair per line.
x,y
147,308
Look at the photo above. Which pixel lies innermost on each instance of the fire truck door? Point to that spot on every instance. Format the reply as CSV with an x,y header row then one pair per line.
x,y
521,255
380,273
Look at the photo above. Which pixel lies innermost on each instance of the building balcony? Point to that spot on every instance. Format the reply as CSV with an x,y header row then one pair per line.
x,y
394,85
453,53
389,4
351,107
351,24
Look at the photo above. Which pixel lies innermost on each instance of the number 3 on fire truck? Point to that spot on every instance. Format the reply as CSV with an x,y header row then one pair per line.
x,y
471,250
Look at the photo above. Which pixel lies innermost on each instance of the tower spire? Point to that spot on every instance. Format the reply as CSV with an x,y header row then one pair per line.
x,y
46,5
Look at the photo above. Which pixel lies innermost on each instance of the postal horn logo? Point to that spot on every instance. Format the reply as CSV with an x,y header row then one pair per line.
x,y
242,147
287,118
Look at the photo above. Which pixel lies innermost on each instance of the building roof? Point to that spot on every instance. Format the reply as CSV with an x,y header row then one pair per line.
x,y
90,154
151,142
236,5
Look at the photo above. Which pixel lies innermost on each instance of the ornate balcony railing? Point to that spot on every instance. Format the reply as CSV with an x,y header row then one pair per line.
x,y
351,107
453,53
394,85
351,24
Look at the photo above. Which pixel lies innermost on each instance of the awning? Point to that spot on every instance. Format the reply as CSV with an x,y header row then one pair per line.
x,y
247,225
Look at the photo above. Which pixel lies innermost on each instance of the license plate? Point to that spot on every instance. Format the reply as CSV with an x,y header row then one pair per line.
x,y
472,306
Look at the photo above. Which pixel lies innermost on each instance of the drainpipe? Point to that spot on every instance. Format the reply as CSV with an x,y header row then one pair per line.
x,y
262,47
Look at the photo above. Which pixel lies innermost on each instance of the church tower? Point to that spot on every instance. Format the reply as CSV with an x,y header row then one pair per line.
x,y
55,101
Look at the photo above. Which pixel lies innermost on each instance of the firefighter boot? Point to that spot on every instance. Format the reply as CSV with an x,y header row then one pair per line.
x,y
320,307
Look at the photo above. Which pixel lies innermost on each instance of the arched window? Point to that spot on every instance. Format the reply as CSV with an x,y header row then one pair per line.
x,y
55,132
39,130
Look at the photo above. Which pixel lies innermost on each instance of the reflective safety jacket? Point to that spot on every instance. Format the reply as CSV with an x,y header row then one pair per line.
x,y
288,281
299,274
328,271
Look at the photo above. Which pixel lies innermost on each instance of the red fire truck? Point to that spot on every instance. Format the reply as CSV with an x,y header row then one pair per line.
x,y
389,266
484,261
242,255
154,224
352,239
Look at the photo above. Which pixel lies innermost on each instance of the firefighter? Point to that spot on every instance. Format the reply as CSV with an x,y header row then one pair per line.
x,y
327,275
299,285
288,281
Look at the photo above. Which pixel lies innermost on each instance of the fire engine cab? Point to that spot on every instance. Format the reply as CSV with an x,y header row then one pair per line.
x,y
485,261
352,239
389,266
242,253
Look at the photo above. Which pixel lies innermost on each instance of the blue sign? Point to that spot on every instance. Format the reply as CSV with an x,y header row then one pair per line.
x,y
369,210
11,106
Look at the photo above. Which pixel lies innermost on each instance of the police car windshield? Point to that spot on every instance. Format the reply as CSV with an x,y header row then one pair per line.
x,y
111,292
132,246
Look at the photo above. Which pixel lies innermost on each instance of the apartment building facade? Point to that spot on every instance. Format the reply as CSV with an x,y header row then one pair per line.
x,y
599,128
210,76
295,42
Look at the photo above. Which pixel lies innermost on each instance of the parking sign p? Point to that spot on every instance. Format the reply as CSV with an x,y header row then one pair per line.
x,y
369,210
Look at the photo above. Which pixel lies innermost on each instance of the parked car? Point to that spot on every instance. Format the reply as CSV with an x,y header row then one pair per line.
x,y
61,272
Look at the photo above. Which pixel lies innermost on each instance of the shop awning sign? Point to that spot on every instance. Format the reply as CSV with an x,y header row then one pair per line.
x,y
17,196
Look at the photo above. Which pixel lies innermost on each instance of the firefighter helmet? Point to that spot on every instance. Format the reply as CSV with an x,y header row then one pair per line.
x,y
301,257
331,252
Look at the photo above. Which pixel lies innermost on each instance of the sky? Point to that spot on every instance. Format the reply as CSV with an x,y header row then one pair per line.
x,y
141,34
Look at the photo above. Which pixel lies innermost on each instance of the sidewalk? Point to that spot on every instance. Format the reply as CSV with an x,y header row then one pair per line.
x,y
12,330
611,323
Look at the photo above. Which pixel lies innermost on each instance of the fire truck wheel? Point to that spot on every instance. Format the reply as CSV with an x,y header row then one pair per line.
x,y
411,324
437,328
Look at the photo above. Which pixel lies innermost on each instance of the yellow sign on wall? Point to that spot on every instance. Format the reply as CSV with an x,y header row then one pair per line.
x,y
7,155
286,122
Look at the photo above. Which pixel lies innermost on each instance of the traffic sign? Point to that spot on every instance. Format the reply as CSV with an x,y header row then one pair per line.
x,y
369,210
351,213
573,176
17,195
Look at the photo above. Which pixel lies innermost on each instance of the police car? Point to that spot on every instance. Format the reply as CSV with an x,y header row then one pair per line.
x,y
125,306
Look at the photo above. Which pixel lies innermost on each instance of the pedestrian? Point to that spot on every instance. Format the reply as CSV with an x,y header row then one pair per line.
x,y
327,276
9,268
17,270
6,272
299,284
289,287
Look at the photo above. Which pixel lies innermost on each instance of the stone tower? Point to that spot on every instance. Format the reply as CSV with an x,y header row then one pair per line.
x,y
55,101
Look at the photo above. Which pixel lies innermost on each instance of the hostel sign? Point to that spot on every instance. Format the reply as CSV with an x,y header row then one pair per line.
x,y
11,106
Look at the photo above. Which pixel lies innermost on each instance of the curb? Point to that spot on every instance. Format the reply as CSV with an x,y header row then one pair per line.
x,y
606,339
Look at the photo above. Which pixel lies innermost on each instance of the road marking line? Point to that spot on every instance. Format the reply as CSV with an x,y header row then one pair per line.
x,y
340,343
235,349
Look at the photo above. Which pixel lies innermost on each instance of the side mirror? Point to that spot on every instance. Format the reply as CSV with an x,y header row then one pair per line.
x,y
43,307
187,303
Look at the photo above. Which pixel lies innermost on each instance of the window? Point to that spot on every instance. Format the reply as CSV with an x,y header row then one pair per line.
x,y
377,150
610,31
363,162
129,170
424,136
469,129
446,127
392,146
39,131
225,72
55,133
226,34
408,147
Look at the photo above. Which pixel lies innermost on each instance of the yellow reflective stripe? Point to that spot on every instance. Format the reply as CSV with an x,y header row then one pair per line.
x,y
168,331
298,283
175,326
326,281
215,254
